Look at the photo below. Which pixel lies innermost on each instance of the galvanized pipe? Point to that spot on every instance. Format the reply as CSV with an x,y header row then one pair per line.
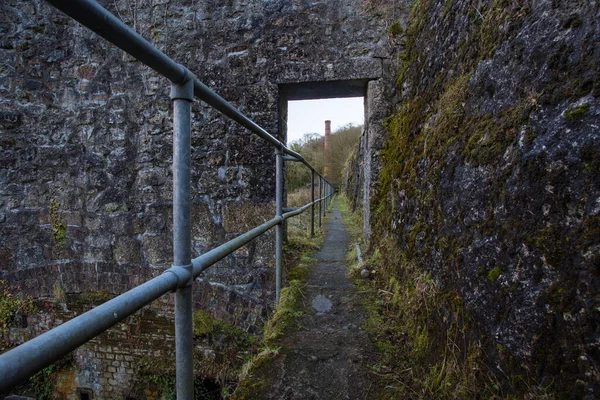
x,y
21,362
18,364
320,201
207,259
312,201
326,198
183,96
278,213
324,206
297,211
96,18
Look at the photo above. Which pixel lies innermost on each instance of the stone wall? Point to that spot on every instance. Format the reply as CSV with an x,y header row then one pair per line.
x,y
489,182
86,136
85,139
136,358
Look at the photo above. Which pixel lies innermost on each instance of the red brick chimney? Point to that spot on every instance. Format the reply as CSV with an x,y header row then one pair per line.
x,y
327,150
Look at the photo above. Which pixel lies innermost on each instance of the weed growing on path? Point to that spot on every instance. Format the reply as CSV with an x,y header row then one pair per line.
x,y
291,307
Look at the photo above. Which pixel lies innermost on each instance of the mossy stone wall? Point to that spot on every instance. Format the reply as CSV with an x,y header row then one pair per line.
x,y
490,183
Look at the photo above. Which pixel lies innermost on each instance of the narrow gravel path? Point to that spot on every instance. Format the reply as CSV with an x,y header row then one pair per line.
x,y
326,357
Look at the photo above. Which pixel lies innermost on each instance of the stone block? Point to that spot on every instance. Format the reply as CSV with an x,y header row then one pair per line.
x,y
240,217
127,250
157,250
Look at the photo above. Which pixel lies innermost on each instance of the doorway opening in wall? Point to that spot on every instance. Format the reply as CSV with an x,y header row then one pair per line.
x,y
84,394
323,121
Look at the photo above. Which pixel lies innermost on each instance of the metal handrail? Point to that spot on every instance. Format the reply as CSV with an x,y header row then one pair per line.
x,y
93,16
23,361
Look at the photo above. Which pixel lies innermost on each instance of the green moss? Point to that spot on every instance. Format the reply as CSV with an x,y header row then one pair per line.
x,y
409,58
353,220
300,271
571,21
37,29
590,155
555,294
14,304
95,298
290,307
59,228
59,293
447,8
489,135
42,383
574,113
203,323
590,232
494,274
254,374
420,344
529,137
415,354
493,30
395,29
552,243
115,207
156,372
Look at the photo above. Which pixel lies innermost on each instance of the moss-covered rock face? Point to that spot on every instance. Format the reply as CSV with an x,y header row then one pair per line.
x,y
490,179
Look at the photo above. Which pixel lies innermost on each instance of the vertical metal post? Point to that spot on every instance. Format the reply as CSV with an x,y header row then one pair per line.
x,y
278,213
323,209
182,96
320,202
312,200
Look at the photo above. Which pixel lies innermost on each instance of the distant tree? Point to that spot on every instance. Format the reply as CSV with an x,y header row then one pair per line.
x,y
342,142
311,147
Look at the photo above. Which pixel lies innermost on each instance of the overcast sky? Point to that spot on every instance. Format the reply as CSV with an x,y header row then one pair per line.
x,y
308,116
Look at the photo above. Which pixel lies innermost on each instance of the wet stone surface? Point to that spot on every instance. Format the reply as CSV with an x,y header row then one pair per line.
x,y
321,304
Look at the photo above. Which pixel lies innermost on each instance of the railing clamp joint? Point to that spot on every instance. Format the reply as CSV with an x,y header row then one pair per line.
x,y
183,273
185,89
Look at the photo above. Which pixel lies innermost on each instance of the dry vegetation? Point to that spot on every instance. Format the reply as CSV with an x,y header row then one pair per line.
x,y
342,143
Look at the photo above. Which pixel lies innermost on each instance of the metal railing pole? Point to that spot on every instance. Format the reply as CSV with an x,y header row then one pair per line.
x,y
312,200
182,96
320,201
325,194
323,209
278,213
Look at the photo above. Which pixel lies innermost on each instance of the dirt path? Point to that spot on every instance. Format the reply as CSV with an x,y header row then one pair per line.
x,y
326,357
